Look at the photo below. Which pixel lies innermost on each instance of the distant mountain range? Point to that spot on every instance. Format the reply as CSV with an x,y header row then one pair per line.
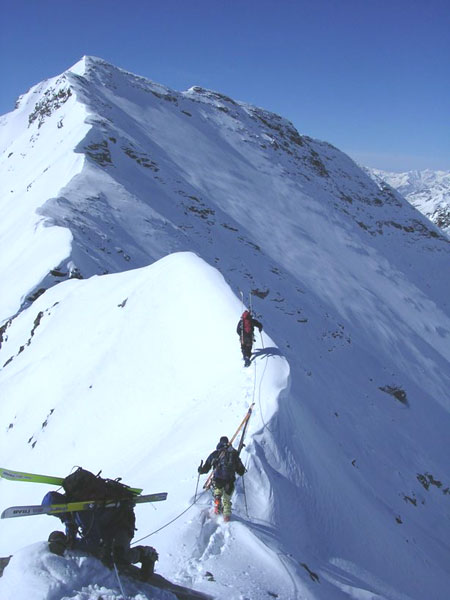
x,y
428,191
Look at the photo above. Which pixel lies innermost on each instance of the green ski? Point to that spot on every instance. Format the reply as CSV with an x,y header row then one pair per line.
x,y
34,478
54,509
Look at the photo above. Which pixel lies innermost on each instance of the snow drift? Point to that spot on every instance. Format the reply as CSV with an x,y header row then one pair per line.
x,y
36,573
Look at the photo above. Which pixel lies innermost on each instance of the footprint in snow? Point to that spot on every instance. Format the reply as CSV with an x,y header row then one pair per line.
x,y
211,542
216,543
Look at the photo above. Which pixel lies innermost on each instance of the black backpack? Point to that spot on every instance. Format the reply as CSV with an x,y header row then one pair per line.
x,y
225,464
84,485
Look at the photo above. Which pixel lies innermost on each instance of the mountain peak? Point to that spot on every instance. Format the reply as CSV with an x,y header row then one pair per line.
x,y
92,64
86,62
427,190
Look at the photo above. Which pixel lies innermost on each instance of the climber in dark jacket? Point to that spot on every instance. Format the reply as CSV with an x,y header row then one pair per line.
x,y
104,532
226,463
245,330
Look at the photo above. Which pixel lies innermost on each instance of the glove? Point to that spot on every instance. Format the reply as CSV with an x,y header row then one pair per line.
x,y
200,468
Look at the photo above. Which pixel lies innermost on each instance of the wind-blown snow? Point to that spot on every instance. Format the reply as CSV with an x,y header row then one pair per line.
x,y
138,372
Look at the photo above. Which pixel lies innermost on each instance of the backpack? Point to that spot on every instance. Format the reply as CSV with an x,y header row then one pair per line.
x,y
102,523
225,464
84,485
247,323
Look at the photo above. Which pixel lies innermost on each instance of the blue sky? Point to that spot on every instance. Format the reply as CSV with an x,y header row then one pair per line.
x,y
371,77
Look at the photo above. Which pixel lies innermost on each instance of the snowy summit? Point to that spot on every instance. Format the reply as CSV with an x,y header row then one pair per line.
x,y
132,219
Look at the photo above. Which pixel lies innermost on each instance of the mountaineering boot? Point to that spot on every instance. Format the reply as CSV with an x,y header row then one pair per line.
x,y
148,557
119,556
226,518
217,506
57,542
105,554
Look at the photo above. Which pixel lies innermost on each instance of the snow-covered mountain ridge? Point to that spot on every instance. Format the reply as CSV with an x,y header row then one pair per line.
x,y
138,371
140,148
428,191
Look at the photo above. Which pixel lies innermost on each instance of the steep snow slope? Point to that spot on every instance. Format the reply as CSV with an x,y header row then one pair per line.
x,y
428,191
136,377
347,480
165,171
35,168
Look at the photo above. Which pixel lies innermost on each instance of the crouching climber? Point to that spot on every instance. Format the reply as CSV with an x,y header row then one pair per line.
x,y
226,463
104,532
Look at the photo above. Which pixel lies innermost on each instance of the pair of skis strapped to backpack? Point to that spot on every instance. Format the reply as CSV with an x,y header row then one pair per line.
x,y
35,478
241,293
242,426
54,509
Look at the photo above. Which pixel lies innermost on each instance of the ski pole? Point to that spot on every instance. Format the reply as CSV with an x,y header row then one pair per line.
x,y
245,497
198,479
118,580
